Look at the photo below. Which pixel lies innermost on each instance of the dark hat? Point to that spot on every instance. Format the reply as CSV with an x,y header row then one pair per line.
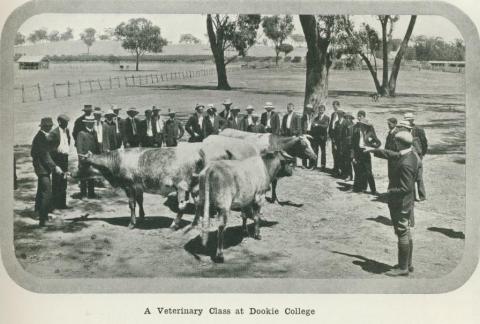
x,y
155,108
46,121
171,112
63,117
392,120
87,108
235,109
340,112
349,115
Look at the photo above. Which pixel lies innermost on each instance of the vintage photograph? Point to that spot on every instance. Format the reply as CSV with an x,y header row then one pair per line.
x,y
239,146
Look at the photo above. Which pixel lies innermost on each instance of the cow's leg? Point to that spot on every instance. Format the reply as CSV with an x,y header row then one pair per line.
x,y
246,213
131,203
223,213
257,220
182,203
274,191
139,200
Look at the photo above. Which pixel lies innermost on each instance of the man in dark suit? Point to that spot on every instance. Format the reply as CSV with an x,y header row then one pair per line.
x,y
78,125
195,125
59,139
390,143
338,142
256,127
212,121
315,123
43,165
226,113
247,120
331,128
420,145
291,122
157,124
270,119
234,121
363,136
132,129
87,142
119,127
146,127
347,147
401,198
109,131
173,130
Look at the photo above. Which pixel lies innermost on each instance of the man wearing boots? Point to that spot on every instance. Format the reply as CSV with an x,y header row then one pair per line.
x,y
401,198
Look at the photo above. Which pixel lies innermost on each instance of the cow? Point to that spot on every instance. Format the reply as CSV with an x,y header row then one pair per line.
x,y
296,146
238,185
161,170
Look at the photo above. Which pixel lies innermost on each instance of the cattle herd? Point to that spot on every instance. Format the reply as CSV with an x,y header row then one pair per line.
x,y
229,171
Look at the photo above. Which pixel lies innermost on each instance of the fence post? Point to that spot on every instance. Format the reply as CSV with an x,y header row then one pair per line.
x,y
23,93
110,79
90,83
99,84
118,80
126,81
80,86
54,90
68,88
39,92
161,76
171,75
133,78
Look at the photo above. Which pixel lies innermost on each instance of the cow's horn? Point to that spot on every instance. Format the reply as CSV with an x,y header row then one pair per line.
x,y
286,155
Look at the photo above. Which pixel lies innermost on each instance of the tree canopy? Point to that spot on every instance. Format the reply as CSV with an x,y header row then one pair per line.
x,y
189,39
19,39
88,37
67,35
277,29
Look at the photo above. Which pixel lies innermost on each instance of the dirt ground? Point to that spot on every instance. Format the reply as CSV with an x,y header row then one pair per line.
x,y
324,231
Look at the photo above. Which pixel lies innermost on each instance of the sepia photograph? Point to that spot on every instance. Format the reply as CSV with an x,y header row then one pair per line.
x,y
187,150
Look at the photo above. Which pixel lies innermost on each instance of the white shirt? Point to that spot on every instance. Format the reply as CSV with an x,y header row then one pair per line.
x,y
289,120
63,146
159,124
309,122
117,129
200,121
99,130
269,114
335,118
405,151
249,120
149,128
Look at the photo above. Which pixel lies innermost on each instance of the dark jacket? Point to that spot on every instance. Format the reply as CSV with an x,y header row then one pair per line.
x,y
87,141
224,117
318,128
157,133
43,163
211,128
295,125
172,131
339,132
196,132
346,147
77,127
120,133
390,140
234,124
54,138
369,135
331,123
258,128
244,124
274,123
130,137
110,138
420,143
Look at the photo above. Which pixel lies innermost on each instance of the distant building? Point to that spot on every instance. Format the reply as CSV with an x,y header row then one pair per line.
x,y
447,66
28,62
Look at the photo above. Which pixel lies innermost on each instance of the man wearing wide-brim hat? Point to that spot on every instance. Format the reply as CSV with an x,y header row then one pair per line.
x,y
109,131
60,141
173,131
226,113
132,128
212,121
157,126
195,125
256,127
119,127
247,120
78,125
270,119
234,120
43,165
87,142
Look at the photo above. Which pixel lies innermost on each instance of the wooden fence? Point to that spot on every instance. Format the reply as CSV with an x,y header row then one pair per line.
x,y
39,92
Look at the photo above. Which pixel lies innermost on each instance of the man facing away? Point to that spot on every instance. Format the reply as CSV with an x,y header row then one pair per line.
x,y
78,125
291,122
60,141
43,165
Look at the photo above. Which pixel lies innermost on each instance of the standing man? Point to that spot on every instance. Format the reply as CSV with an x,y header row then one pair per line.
x,y
173,130
109,131
401,198
234,121
44,166
98,127
132,129
226,113
256,127
87,142
362,137
157,123
247,121
347,147
270,119
78,125
291,122
420,145
195,125
59,139
338,142
119,127
319,132
212,121
390,143
147,130
331,133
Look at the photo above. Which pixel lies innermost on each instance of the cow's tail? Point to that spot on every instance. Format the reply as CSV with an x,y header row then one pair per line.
x,y
205,185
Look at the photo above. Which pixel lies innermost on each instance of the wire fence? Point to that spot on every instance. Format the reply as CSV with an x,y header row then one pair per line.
x,y
39,92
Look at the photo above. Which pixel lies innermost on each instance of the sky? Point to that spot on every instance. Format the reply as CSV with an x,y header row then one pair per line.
x,y
172,26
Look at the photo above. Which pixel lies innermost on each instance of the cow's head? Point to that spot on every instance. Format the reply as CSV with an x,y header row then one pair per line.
x,y
96,166
279,163
302,148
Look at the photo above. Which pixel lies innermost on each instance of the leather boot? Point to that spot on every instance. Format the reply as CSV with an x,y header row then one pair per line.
x,y
410,265
403,255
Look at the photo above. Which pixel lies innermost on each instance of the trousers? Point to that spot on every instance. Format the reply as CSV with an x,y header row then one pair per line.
x,y
59,182
363,173
43,196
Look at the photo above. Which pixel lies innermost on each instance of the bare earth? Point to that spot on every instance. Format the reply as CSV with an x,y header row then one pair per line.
x,y
324,231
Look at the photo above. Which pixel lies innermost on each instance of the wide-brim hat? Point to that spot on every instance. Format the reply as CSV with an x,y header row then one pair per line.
x,y
404,123
309,106
268,105
236,109
155,108
249,108
171,112
115,107
227,102
45,122
63,117
98,111
89,119
404,137
109,113
392,120
408,116
147,110
132,110
340,112
87,108
198,107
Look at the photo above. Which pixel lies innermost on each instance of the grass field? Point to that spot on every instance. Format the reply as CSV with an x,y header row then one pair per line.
x,y
328,231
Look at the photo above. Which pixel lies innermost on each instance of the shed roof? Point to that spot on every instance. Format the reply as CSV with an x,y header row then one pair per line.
x,y
32,59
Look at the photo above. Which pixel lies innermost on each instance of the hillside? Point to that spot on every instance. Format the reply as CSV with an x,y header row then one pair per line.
x,y
114,48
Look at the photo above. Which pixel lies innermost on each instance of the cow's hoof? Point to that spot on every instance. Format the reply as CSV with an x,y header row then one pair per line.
x,y
174,226
218,259
257,237
131,226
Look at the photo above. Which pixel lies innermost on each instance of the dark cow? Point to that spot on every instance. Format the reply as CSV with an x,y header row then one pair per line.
x,y
161,170
296,146
239,185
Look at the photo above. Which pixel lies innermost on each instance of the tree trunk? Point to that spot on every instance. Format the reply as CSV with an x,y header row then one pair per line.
x,y
316,83
88,50
373,72
136,61
392,83
216,45
384,23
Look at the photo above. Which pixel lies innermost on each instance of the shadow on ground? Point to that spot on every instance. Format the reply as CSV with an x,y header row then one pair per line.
x,y
149,223
448,232
366,264
381,219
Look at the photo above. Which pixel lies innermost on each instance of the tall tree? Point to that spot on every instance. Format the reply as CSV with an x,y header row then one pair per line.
x,y
38,35
19,39
140,36
54,36
67,35
88,37
226,32
189,39
277,29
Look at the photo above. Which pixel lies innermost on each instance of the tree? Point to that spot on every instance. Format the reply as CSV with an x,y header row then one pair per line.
x,y
285,49
54,36
32,38
226,32
140,36
38,35
277,29
88,37
67,35
19,39
189,39
436,49
298,39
